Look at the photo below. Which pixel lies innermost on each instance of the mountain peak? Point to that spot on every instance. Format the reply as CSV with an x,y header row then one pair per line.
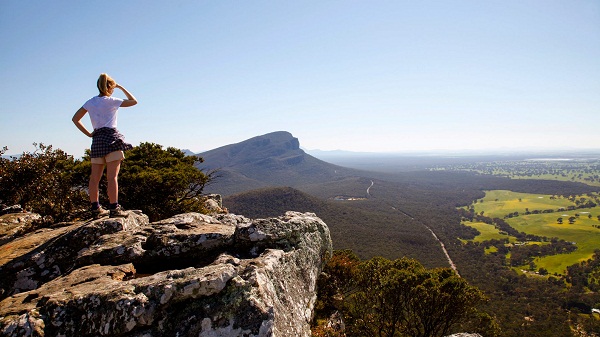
x,y
273,159
281,139
262,150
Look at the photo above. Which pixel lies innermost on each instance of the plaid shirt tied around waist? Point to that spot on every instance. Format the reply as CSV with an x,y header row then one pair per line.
x,y
107,140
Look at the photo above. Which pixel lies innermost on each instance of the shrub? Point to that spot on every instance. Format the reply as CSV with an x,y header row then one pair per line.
x,y
160,182
43,182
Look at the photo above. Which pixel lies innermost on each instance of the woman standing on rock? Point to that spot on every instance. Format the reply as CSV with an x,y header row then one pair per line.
x,y
107,143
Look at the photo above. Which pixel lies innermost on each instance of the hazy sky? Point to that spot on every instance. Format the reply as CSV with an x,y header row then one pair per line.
x,y
353,75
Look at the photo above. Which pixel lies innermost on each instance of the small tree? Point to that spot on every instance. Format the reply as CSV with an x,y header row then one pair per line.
x,y
402,298
532,266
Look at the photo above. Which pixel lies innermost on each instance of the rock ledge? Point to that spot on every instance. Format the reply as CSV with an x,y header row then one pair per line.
x,y
189,275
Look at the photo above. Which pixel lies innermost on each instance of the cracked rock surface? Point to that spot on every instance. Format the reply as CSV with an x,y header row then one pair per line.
x,y
189,275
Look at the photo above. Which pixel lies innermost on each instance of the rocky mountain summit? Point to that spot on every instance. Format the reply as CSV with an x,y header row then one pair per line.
x,y
189,275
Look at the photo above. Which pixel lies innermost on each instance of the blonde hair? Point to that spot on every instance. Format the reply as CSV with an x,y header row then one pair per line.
x,y
105,84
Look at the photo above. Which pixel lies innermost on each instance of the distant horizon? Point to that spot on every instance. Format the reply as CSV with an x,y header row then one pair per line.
x,y
465,151
407,152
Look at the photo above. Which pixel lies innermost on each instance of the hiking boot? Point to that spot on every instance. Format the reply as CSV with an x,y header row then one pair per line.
x,y
99,212
118,212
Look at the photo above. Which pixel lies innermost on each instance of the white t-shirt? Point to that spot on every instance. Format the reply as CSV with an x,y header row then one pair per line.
x,y
103,111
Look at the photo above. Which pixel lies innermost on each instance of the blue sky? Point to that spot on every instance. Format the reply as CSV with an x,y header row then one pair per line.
x,y
377,76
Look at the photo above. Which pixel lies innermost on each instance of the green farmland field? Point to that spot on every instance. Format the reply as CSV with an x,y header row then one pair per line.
x,y
488,232
498,204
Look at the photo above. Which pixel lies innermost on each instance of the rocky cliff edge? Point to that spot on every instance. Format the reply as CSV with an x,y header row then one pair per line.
x,y
189,275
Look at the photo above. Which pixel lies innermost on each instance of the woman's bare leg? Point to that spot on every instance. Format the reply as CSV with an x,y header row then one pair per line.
x,y
112,173
94,186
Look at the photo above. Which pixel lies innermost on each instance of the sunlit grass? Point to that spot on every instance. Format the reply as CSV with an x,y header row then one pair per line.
x,y
491,249
487,232
582,233
498,204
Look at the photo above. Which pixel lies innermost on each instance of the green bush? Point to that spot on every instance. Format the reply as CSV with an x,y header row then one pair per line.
x,y
44,182
159,182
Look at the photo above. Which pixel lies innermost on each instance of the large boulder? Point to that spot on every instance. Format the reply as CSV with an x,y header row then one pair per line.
x,y
190,275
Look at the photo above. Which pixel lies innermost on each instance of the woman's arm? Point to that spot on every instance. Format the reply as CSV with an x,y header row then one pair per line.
x,y
77,120
130,101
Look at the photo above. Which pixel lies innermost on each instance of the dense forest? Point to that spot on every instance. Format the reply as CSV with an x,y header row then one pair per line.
x,y
359,225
